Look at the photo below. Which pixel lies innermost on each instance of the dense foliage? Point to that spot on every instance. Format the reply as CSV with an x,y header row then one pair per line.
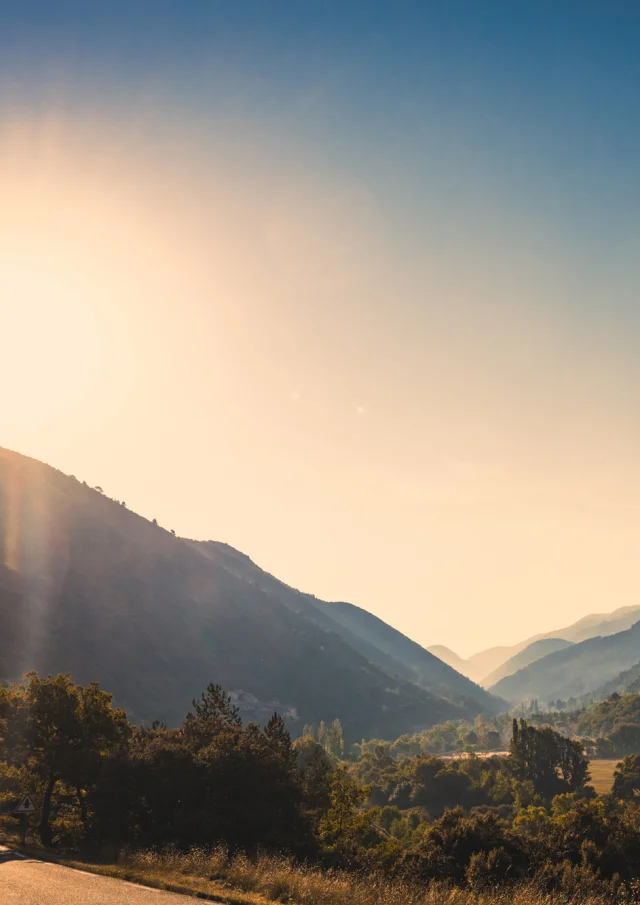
x,y
607,728
104,783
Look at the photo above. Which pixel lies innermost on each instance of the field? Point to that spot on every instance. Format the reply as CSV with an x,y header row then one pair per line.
x,y
601,770
602,775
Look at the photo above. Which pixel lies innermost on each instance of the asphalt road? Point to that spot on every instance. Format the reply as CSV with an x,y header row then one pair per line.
x,y
24,881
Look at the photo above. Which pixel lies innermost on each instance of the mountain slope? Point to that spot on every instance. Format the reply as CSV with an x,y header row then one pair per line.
x,y
532,652
417,664
378,642
89,587
574,671
627,682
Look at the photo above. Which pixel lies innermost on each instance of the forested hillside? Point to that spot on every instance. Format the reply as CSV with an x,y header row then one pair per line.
x,y
626,682
89,587
378,642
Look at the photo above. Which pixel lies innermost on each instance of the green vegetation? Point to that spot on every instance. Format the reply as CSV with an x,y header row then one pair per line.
x,y
486,734
222,795
218,800
608,728
627,682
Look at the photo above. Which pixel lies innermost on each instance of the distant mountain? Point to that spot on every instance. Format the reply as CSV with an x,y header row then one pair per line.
x,y
598,624
574,671
451,658
478,665
87,586
532,652
483,666
486,661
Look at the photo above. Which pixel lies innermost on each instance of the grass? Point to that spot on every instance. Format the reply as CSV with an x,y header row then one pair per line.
x,y
602,774
214,876
141,871
243,881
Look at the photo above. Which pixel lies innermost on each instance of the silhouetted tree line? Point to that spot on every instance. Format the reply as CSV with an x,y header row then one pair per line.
x,y
101,780
104,783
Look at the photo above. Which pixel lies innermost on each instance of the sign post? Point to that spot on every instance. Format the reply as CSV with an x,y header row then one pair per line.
x,y
23,810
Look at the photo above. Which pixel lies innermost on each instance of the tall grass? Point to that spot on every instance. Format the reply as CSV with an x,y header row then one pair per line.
x,y
278,879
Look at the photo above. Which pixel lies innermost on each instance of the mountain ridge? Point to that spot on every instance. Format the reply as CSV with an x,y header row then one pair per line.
x,y
376,639
528,655
481,666
573,671
90,587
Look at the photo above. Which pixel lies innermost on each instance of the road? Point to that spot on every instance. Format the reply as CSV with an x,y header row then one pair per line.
x,y
25,881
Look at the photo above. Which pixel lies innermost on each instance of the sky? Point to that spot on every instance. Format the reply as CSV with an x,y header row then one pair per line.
x,y
352,287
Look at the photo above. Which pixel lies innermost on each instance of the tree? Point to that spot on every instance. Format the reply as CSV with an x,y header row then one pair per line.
x,y
213,712
470,740
551,762
69,729
13,715
625,738
574,766
278,735
343,824
449,844
626,782
334,743
314,767
104,732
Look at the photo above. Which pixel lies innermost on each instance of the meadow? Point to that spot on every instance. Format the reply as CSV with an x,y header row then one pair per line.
x,y
602,774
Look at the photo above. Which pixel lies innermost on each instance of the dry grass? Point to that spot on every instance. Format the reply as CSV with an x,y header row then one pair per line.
x,y
602,775
213,875
276,879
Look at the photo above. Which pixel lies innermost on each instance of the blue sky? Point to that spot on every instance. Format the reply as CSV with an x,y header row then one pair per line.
x,y
532,102
543,94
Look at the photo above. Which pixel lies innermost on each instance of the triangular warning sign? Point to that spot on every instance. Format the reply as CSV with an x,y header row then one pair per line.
x,y
26,806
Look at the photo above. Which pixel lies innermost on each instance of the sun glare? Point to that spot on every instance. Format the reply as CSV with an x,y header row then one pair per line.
x,y
50,344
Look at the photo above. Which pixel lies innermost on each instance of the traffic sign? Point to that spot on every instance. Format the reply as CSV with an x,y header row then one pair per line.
x,y
26,806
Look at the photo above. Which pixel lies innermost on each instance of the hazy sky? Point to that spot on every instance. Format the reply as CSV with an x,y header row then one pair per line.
x,y
350,286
